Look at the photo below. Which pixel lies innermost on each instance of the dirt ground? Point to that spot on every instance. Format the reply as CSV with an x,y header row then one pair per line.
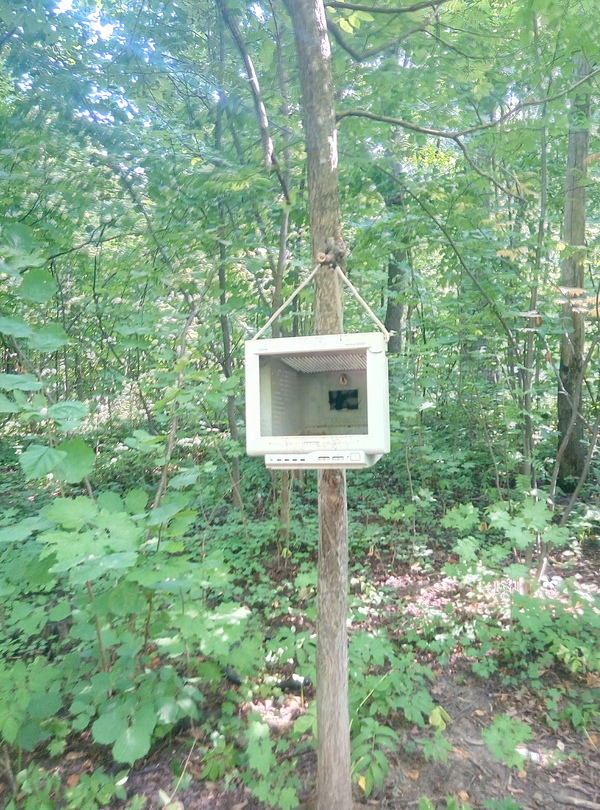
x,y
560,770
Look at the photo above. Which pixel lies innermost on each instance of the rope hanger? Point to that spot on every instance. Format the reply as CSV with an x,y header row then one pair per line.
x,y
338,270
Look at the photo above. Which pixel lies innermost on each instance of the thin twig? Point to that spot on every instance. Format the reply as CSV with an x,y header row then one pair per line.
x,y
385,9
454,134
377,49
8,769
489,300
259,105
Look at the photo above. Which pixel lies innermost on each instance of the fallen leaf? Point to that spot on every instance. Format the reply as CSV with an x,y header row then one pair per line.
x,y
479,713
414,775
73,779
593,740
362,783
240,805
460,752
463,795
560,745
522,774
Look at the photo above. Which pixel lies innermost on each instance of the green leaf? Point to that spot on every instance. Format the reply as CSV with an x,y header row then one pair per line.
x,y
109,726
44,705
185,478
167,510
168,711
516,571
439,718
503,736
7,406
38,285
78,463
305,723
136,500
91,567
16,327
22,530
119,532
260,747
17,249
30,735
462,517
19,382
180,524
73,411
467,549
49,339
60,612
288,798
135,741
72,513
18,237
110,502
39,460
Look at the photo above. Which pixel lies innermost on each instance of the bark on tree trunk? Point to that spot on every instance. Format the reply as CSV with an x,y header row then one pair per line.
x,y
570,424
394,313
396,283
228,371
334,788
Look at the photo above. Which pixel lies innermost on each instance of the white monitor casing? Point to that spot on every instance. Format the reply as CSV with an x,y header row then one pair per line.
x,y
317,402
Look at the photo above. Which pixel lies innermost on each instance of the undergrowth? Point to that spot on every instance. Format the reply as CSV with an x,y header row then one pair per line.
x,y
127,621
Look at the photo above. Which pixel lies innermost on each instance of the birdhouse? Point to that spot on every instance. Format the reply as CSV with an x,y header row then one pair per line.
x,y
317,402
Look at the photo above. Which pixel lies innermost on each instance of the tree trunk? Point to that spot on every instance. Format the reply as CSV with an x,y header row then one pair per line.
x,y
228,371
398,261
394,312
334,788
570,423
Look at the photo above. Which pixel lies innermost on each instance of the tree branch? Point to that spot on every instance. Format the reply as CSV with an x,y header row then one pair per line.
x,y
496,183
376,49
398,122
450,47
489,300
6,36
373,10
92,241
261,111
453,135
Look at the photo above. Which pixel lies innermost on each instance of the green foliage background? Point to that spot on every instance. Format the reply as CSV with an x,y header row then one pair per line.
x,y
142,241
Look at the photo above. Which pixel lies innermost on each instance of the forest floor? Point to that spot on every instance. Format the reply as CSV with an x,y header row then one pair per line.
x,y
560,768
